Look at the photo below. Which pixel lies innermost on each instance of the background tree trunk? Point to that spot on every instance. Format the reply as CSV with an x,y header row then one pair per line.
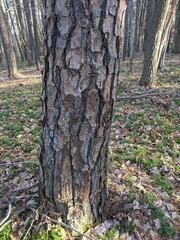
x,y
177,34
23,33
29,28
123,6
156,33
37,44
14,30
126,32
80,78
8,49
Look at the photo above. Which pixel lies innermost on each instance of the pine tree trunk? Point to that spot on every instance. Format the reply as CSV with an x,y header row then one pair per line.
x,y
156,36
8,49
79,89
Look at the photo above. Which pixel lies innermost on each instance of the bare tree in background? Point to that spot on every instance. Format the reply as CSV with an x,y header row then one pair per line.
x,y
7,45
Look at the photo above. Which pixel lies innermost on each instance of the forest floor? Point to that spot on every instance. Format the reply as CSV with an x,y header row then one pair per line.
x,y
144,157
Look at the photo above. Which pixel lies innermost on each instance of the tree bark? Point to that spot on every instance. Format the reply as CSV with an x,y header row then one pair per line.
x,y
79,91
7,45
156,36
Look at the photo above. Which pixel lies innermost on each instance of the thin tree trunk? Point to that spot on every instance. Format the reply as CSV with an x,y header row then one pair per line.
x,y
8,49
29,28
132,34
177,34
14,30
23,33
79,89
123,6
137,25
142,24
36,36
126,32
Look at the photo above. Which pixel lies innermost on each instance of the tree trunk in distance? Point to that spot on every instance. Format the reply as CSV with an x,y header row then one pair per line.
x,y
126,33
36,35
123,6
14,30
23,33
132,34
137,25
79,91
177,34
29,28
166,33
8,49
155,37
142,24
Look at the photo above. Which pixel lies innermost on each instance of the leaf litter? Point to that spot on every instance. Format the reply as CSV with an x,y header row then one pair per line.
x,y
143,174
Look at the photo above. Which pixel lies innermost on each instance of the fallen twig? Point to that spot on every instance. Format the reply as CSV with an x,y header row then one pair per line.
x,y
147,95
28,230
5,221
5,224
68,227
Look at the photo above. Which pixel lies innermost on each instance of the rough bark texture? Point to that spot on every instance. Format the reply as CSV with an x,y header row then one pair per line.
x,y
79,89
8,49
156,36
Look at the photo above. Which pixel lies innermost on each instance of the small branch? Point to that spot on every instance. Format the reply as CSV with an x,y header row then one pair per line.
x,y
28,230
147,95
6,218
68,227
5,224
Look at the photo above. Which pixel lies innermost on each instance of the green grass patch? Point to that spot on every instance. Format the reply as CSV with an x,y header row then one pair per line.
x,y
6,233
164,184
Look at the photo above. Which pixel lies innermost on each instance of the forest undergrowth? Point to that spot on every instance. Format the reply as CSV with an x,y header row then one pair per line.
x,y
144,157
